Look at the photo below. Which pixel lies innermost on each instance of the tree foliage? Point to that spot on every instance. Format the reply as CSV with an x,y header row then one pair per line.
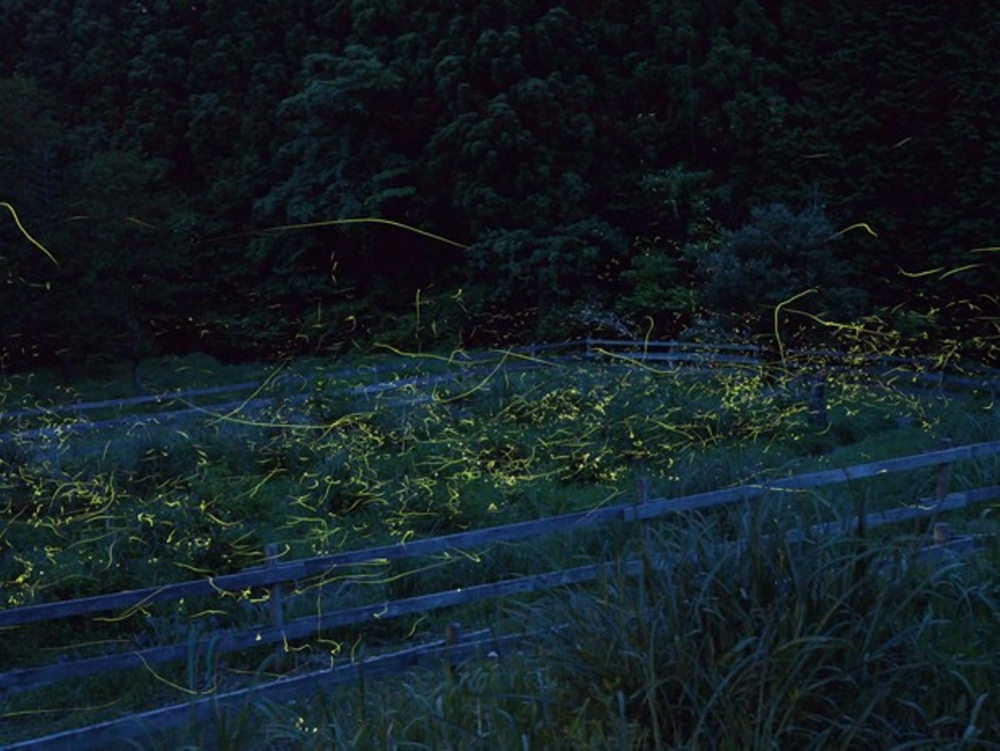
x,y
542,136
776,256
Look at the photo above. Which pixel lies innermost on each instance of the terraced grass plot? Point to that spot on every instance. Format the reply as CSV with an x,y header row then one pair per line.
x,y
325,463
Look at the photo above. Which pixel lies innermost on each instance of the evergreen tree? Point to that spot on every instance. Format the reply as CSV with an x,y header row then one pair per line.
x,y
779,254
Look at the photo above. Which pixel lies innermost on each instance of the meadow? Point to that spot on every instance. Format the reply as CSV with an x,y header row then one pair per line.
x,y
834,645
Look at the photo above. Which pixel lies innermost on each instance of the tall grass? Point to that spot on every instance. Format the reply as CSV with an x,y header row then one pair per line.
x,y
321,470
841,644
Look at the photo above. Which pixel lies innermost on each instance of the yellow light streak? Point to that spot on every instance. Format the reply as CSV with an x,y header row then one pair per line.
x,y
339,222
27,236
859,225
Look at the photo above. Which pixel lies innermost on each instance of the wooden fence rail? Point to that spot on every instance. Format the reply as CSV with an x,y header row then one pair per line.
x,y
292,687
82,426
675,353
919,371
273,573
131,422
310,567
479,643
113,733
164,398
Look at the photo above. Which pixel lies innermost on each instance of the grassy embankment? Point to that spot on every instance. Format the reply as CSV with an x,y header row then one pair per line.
x,y
802,647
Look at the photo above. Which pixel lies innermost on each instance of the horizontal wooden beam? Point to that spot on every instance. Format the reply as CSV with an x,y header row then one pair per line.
x,y
115,733
225,642
305,568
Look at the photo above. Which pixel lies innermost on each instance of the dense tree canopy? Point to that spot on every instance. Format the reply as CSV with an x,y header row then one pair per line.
x,y
660,160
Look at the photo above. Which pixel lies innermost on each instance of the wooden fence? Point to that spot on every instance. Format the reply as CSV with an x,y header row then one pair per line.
x,y
273,574
913,372
673,353
73,419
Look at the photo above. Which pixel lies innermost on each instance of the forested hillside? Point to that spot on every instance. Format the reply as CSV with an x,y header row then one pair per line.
x,y
682,164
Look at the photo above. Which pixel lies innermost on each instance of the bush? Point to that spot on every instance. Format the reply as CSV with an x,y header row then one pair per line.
x,y
524,269
779,254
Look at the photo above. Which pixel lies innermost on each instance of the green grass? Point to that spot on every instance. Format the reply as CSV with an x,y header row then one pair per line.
x,y
320,470
839,645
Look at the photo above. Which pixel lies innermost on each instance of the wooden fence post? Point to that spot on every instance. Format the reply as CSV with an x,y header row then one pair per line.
x,y
942,533
642,495
277,615
942,481
452,637
816,406
942,474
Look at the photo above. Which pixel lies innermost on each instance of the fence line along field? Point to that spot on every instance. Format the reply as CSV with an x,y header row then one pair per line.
x,y
328,617
676,353
192,548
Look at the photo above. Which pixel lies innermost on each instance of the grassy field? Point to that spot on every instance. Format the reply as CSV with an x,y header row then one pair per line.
x,y
753,648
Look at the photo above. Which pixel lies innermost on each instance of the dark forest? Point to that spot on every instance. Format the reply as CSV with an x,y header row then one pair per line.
x,y
673,168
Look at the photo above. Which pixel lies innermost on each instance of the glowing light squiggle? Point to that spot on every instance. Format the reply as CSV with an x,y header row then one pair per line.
x,y
334,222
27,235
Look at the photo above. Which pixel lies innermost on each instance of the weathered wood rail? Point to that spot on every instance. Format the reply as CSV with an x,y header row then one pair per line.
x,y
309,567
673,352
274,574
77,422
916,372
164,398
113,733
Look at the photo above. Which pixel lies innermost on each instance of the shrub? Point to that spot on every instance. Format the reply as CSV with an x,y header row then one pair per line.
x,y
777,255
